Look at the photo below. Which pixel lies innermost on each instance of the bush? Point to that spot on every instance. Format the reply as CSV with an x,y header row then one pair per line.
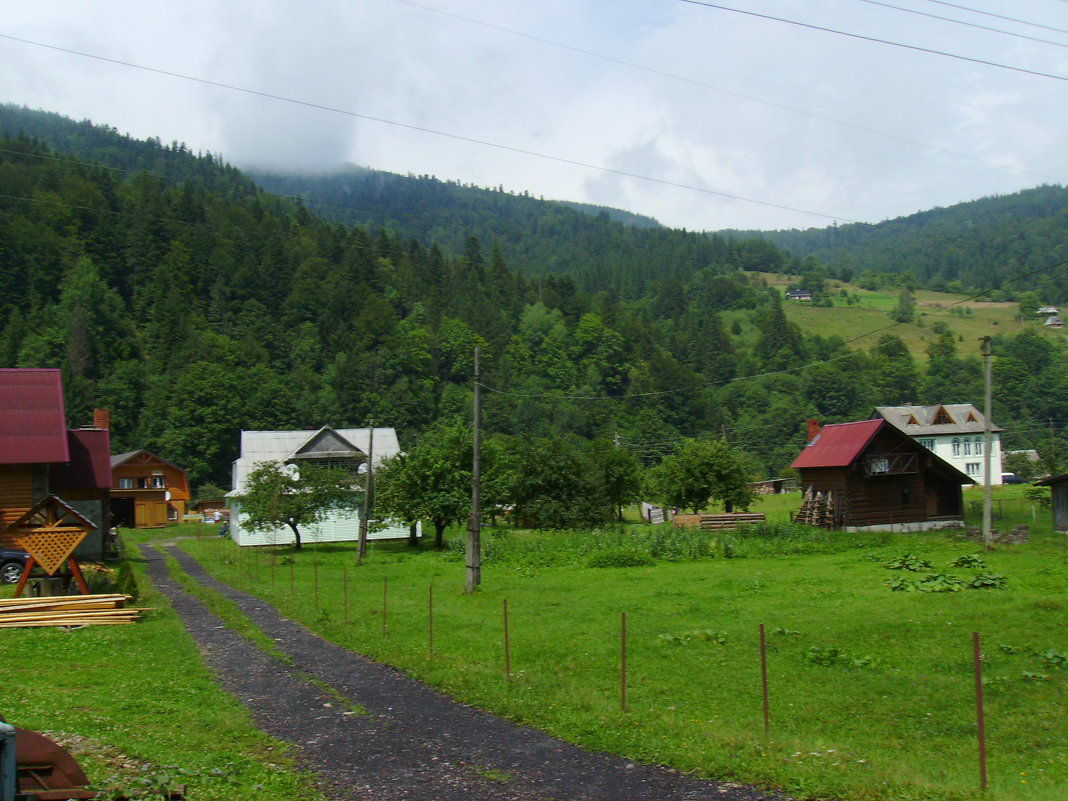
x,y
618,557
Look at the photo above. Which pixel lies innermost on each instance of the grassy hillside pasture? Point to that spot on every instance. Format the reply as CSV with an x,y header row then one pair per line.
x,y
872,691
869,319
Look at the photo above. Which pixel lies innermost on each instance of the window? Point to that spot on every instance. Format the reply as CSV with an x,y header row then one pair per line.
x,y
978,447
126,483
967,447
878,464
972,468
928,444
956,447
158,482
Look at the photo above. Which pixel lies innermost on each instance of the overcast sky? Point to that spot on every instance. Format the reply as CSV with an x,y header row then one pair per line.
x,y
701,117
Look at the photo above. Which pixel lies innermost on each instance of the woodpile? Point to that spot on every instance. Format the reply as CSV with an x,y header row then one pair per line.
x,y
70,611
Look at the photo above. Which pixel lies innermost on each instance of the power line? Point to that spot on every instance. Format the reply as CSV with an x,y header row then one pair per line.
x,y
962,22
862,37
714,88
1000,16
431,131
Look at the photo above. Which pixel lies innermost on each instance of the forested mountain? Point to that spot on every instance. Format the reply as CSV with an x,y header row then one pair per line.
x,y
981,245
193,305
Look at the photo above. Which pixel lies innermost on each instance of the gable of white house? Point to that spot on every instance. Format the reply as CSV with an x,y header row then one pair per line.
x,y
952,431
336,447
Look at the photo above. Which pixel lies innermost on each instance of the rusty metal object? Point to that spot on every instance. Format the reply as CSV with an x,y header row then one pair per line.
x,y
46,772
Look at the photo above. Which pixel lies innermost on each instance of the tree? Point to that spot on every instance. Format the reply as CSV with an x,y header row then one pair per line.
x,y
431,482
701,471
279,495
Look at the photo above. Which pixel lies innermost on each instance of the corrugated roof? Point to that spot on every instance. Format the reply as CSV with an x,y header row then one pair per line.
x,y
918,421
33,425
838,445
90,462
277,446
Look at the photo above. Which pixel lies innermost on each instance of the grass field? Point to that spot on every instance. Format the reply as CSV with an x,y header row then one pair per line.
x,y
140,711
865,322
872,692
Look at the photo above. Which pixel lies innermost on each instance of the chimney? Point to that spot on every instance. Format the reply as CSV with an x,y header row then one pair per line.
x,y
813,429
101,419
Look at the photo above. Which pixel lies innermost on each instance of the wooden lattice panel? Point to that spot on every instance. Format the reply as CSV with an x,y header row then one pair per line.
x,y
51,547
49,532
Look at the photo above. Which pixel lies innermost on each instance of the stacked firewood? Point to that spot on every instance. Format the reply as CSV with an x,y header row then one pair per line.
x,y
67,610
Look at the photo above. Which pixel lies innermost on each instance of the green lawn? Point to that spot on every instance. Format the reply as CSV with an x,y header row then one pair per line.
x,y
142,709
872,692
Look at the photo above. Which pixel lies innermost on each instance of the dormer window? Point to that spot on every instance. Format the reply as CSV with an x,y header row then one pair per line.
x,y
942,418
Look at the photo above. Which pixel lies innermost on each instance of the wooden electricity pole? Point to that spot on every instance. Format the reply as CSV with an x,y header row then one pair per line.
x,y
365,519
474,525
986,443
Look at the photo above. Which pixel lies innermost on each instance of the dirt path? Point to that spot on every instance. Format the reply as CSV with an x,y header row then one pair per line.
x,y
413,744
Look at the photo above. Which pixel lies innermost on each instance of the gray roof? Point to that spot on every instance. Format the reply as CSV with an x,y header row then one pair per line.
x,y
281,446
919,421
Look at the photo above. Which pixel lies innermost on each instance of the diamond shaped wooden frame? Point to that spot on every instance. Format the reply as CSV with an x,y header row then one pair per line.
x,y
49,533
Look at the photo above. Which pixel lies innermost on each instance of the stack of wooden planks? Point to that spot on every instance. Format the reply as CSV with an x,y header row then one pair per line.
x,y
66,610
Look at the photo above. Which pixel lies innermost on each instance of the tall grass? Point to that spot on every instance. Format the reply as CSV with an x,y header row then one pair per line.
x,y
665,542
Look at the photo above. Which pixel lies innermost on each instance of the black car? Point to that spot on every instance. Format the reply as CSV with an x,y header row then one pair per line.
x,y
12,563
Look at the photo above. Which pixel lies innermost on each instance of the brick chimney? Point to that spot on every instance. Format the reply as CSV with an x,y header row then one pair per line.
x,y
101,419
813,429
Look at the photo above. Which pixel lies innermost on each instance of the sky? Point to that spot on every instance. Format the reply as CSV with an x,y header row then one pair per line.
x,y
703,117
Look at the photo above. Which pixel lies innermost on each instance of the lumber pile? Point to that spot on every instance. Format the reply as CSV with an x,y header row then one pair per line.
x,y
71,611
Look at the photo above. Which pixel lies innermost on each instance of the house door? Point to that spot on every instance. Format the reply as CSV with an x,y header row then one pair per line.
x,y
151,514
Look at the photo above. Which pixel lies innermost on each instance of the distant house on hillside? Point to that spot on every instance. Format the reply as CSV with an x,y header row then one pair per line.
x,y
800,295
953,431
868,475
147,491
1054,322
1048,310
343,447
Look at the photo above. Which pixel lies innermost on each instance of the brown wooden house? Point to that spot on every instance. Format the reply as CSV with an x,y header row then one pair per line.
x,y
870,474
40,457
146,491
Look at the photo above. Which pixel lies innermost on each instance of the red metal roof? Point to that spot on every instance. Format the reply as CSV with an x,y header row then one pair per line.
x,y
838,445
90,461
33,426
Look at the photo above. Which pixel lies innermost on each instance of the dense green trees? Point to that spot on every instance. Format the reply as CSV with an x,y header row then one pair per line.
x,y
192,306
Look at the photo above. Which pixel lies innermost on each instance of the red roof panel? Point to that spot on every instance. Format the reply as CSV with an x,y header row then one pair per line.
x,y
838,445
33,426
90,461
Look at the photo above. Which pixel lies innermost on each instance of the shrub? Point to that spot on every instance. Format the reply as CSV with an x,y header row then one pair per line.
x,y
836,657
619,557
972,560
987,581
908,562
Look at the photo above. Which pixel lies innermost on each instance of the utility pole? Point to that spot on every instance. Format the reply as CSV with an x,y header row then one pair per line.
x,y
474,525
986,442
365,520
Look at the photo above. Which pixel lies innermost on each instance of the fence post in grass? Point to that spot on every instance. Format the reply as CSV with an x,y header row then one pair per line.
x,y
507,651
979,718
385,603
623,662
764,677
430,621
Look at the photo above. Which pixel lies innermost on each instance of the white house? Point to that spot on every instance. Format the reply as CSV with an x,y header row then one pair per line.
x,y
344,447
953,431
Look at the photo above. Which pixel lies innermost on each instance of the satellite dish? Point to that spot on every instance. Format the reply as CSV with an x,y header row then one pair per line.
x,y
167,495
